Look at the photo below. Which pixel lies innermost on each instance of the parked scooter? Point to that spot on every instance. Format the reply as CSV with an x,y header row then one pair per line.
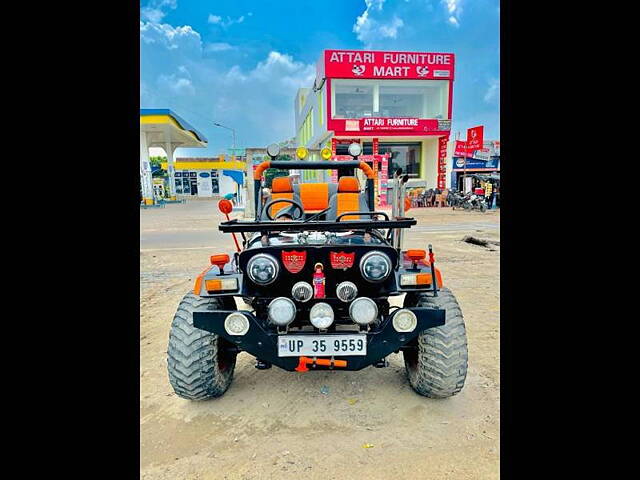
x,y
474,202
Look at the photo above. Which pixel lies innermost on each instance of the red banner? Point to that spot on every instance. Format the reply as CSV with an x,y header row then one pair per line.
x,y
442,162
460,149
475,139
373,64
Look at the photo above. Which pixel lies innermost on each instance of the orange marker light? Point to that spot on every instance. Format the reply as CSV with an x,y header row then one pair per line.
x,y
423,279
416,255
220,260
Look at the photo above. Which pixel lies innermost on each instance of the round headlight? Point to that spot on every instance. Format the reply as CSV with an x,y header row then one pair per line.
x,y
375,266
273,150
363,311
321,315
236,324
346,291
302,291
405,321
282,311
355,149
263,269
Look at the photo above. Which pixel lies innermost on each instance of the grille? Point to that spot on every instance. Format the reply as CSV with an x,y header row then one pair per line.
x,y
346,291
302,291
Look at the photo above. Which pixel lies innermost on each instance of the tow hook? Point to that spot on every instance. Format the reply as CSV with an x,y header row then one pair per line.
x,y
326,362
382,363
260,365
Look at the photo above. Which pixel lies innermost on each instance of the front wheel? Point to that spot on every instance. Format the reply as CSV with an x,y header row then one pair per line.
x,y
437,365
200,363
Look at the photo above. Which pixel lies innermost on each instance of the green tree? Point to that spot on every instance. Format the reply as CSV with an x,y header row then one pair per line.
x,y
157,161
272,173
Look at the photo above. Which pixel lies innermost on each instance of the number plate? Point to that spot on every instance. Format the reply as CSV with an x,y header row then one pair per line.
x,y
321,345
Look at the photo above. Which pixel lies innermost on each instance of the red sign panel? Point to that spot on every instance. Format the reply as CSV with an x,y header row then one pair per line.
x,y
460,149
342,260
294,261
475,139
390,65
410,124
388,126
442,162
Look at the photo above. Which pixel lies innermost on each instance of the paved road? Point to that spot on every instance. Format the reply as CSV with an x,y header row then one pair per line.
x,y
183,234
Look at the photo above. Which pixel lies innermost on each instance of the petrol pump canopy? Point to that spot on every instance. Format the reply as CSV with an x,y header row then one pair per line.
x,y
162,125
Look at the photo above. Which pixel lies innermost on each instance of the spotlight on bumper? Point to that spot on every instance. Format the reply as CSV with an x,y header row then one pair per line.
x,y
282,311
236,324
363,311
321,315
404,321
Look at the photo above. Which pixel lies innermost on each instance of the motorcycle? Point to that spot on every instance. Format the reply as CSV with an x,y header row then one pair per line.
x,y
473,202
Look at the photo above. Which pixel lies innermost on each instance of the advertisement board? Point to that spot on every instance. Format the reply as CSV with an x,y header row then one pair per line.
x,y
475,139
442,165
460,149
389,65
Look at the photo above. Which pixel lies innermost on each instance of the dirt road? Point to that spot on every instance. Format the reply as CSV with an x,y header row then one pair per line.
x,y
276,424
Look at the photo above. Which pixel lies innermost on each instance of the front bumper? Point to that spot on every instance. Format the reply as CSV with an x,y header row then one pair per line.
x,y
263,344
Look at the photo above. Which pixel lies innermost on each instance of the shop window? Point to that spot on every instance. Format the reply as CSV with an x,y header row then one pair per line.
x,y
390,98
352,100
407,156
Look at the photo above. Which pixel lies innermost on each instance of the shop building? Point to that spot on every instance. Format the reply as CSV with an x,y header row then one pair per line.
x,y
464,169
396,104
208,176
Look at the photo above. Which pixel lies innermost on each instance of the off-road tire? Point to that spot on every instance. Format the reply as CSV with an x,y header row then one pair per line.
x,y
198,361
438,367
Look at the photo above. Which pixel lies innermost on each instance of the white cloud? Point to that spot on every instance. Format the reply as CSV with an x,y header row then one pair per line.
x,y
493,92
391,31
154,10
170,37
454,10
217,47
177,84
367,29
257,100
217,20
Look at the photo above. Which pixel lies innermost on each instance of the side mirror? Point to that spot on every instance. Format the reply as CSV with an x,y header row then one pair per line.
x,y
225,206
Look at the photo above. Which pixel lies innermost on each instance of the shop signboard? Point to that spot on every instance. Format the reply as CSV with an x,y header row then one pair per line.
x,y
460,149
475,139
482,154
205,189
388,65
369,124
384,177
442,166
474,163
496,147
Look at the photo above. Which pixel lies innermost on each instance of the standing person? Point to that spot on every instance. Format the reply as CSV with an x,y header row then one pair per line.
x,y
488,194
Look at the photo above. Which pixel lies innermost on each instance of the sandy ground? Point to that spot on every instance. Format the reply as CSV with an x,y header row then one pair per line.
x,y
276,424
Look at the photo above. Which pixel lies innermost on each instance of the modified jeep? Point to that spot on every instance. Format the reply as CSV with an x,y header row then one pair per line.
x,y
310,287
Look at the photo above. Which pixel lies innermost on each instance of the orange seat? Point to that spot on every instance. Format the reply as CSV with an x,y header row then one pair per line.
x,y
280,188
315,196
348,199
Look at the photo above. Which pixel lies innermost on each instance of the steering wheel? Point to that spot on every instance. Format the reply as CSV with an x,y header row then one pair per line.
x,y
299,208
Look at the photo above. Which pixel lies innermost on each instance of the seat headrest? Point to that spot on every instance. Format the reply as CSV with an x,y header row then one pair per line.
x,y
281,185
348,184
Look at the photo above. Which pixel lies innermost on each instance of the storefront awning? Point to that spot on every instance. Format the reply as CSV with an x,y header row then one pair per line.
x,y
237,176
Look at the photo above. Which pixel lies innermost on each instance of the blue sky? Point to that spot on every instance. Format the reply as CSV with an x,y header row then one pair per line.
x,y
241,62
